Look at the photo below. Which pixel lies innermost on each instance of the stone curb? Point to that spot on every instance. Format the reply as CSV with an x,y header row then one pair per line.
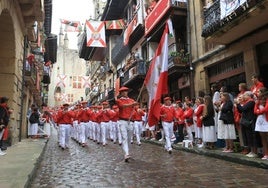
x,y
32,175
217,153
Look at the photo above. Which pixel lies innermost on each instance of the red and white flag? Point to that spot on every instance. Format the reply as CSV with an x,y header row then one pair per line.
x,y
61,80
71,26
95,34
86,81
156,80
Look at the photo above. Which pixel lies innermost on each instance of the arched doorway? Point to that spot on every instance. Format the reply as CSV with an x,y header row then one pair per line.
x,y
9,82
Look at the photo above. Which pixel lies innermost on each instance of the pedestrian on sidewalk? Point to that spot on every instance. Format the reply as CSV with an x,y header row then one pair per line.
x,y
126,110
4,119
34,120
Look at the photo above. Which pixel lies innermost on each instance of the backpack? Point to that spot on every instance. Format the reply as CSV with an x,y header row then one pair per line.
x,y
32,118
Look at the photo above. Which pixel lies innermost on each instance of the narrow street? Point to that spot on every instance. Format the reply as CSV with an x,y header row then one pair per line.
x,y
150,166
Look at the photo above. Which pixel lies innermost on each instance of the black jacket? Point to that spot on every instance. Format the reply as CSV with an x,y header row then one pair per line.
x,y
227,114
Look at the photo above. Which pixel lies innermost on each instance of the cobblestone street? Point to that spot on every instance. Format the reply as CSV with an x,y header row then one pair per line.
x,y
150,166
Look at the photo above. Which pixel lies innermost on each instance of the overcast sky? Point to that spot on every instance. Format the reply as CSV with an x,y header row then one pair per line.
x,y
73,10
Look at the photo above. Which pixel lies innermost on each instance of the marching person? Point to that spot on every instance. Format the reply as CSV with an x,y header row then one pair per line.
x,y
167,114
115,126
137,117
65,120
105,116
126,109
83,118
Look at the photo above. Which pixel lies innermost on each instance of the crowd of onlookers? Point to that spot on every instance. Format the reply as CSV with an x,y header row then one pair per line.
x,y
219,120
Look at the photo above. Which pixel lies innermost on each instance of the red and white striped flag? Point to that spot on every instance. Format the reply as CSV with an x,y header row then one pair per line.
x,y
95,34
156,80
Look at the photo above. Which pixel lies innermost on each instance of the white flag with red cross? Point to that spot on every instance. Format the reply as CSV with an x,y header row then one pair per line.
x,y
95,34
61,80
86,81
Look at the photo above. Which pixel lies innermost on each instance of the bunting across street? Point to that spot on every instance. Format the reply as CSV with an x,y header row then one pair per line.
x,y
95,34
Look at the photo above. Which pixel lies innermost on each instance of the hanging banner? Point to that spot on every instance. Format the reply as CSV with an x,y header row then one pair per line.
x,y
61,80
95,34
229,6
86,82
71,26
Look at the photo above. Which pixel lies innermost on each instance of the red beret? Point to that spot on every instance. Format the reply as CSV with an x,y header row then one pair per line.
x,y
115,106
167,98
123,89
105,103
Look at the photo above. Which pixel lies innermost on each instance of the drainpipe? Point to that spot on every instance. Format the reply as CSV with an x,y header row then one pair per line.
x,y
22,85
188,28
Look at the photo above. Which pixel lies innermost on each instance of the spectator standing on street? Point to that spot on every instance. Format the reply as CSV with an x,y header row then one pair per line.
x,y
245,106
197,114
34,120
216,103
4,119
126,110
261,110
209,129
226,129
242,87
257,84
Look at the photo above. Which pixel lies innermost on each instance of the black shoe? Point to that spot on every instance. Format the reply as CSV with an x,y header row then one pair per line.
x,y
127,159
170,152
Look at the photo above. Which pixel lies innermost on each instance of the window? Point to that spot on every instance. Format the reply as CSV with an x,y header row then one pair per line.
x,y
77,82
70,98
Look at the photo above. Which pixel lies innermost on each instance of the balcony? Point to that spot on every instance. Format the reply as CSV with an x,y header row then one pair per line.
x,y
135,74
176,67
30,76
120,51
245,19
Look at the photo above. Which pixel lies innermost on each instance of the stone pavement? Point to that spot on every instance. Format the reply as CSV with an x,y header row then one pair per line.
x,y
19,165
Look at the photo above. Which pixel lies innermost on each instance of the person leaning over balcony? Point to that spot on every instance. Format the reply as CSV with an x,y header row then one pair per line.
x,y
167,114
261,110
65,120
126,110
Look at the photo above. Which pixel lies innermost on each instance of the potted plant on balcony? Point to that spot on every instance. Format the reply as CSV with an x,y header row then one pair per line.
x,y
180,57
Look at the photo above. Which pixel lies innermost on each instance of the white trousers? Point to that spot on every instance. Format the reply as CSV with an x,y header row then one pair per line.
x,y
64,131
34,129
138,130
168,131
126,129
104,129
